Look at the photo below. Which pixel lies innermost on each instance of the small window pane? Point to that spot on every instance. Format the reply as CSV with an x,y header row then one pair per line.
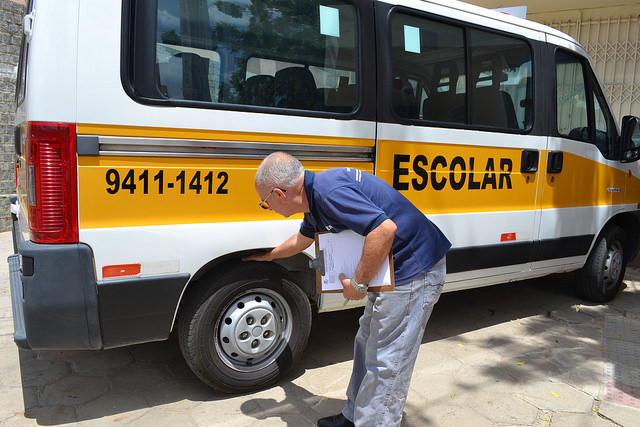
x,y
573,120
501,81
298,54
601,124
428,70
606,132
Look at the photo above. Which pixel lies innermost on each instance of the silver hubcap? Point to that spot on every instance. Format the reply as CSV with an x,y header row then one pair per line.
x,y
613,265
253,330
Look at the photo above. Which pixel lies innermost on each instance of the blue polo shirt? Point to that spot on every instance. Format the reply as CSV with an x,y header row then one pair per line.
x,y
347,198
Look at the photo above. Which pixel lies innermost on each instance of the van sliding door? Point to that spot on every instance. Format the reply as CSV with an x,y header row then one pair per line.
x,y
456,136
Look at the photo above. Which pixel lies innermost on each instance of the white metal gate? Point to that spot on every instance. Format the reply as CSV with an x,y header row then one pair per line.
x,y
614,46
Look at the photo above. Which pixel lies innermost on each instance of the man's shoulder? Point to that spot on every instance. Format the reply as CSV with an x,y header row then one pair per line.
x,y
330,178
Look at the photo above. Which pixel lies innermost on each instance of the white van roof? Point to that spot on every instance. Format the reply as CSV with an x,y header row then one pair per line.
x,y
485,13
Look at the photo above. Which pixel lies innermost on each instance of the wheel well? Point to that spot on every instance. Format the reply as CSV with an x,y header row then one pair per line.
x,y
297,265
630,223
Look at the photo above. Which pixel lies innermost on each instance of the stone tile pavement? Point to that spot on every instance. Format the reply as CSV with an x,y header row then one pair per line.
x,y
521,354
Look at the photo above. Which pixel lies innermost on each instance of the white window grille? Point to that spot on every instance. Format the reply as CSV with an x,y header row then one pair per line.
x,y
614,47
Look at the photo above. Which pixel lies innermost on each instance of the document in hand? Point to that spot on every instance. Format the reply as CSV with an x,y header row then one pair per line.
x,y
340,253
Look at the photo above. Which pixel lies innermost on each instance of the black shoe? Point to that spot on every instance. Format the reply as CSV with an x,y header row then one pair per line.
x,y
335,421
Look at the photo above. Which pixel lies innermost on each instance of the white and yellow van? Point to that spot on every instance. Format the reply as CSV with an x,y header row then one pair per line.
x,y
141,124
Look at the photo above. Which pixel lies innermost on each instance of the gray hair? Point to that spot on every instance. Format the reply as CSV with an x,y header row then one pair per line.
x,y
279,170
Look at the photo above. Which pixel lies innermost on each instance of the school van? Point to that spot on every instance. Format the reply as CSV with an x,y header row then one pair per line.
x,y
141,124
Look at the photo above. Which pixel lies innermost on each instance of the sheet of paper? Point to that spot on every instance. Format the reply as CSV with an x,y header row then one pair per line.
x,y
342,252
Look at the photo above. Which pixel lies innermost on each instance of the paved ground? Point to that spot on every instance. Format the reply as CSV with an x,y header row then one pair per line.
x,y
529,354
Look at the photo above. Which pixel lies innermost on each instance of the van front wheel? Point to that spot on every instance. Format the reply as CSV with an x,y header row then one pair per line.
x,y
601,277
245,329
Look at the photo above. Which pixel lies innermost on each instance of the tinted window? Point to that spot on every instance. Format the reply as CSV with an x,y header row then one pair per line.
x,y
582,112
297,54
606,131
571,96
437,77
501,81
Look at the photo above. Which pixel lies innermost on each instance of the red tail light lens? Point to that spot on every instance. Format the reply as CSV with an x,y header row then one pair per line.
x,y
51,181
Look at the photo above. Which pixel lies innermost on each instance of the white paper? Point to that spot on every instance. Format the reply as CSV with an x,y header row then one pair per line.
x,y
342,252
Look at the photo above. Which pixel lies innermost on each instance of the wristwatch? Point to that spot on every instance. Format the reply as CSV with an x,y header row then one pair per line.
x,y
361,289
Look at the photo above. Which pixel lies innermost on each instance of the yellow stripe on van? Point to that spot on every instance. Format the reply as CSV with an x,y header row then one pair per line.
x,y
119,191
632,193
216,135
583,182
447,179
444,178
123,191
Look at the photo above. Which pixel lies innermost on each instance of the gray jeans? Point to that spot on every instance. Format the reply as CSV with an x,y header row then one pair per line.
x,y
386,347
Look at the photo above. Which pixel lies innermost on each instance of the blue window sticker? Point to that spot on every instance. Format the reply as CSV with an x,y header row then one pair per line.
x,y
329,21
411,39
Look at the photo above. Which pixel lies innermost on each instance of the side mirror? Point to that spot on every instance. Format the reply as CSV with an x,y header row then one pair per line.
x,y
630,139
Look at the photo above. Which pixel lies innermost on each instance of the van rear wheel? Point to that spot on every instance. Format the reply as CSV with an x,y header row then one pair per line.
x,y
601,277
244,329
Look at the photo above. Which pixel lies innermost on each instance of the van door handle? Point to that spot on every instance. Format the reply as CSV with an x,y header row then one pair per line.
x,y
554,164
529,161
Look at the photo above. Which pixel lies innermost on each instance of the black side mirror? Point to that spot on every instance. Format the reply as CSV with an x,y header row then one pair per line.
x,y
630,139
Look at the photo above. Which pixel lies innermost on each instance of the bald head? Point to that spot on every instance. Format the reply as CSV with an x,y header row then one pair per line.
x,y
279,170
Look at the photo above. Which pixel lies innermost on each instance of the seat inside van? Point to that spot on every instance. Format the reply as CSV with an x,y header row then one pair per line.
x,y
185,76
443,103
295,87
491,106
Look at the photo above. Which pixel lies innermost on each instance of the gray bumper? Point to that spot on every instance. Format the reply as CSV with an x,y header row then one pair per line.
x,y
54,296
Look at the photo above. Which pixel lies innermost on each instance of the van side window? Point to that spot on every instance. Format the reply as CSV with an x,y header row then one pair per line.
x,y
501,81
299,54
440,77
606,138
571,97
582,112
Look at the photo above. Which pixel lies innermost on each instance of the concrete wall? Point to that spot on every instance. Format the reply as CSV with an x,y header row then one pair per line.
x,y
11,13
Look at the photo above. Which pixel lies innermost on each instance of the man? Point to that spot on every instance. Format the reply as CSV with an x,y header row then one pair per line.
x,y
393,323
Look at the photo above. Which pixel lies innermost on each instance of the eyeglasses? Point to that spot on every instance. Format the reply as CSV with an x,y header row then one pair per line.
x,y
264,204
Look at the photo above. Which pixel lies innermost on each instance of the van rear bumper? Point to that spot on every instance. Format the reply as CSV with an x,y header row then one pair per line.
x,y
58,305
53,295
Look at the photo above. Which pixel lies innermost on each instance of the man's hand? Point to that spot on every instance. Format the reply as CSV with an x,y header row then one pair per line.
x,y
349,291
294,245
263,256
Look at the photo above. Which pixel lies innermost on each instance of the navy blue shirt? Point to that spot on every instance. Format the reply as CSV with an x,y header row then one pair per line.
x,y
346,198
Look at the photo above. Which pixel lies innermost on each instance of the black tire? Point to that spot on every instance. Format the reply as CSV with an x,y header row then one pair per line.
x,y
243,330
601,277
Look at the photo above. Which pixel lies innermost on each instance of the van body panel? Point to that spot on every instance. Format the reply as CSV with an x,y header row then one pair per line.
x,y
51,75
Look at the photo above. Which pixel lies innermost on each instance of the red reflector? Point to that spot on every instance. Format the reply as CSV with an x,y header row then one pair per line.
x,y
120,270
507,237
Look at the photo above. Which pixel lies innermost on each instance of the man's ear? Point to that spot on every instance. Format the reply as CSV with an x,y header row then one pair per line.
x,y
281,195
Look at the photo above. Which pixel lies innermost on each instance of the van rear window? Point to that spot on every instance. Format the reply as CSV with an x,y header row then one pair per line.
x,y
296,54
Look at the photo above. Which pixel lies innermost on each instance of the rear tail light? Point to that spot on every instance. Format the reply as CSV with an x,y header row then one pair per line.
x,y
52,195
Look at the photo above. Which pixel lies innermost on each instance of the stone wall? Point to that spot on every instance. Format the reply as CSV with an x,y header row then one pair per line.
x,y
11,13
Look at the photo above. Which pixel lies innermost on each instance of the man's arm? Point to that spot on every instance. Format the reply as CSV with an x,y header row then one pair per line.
x,y
377,245
294,245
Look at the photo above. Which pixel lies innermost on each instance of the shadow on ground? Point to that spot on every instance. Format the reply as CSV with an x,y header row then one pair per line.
x,y
69,386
